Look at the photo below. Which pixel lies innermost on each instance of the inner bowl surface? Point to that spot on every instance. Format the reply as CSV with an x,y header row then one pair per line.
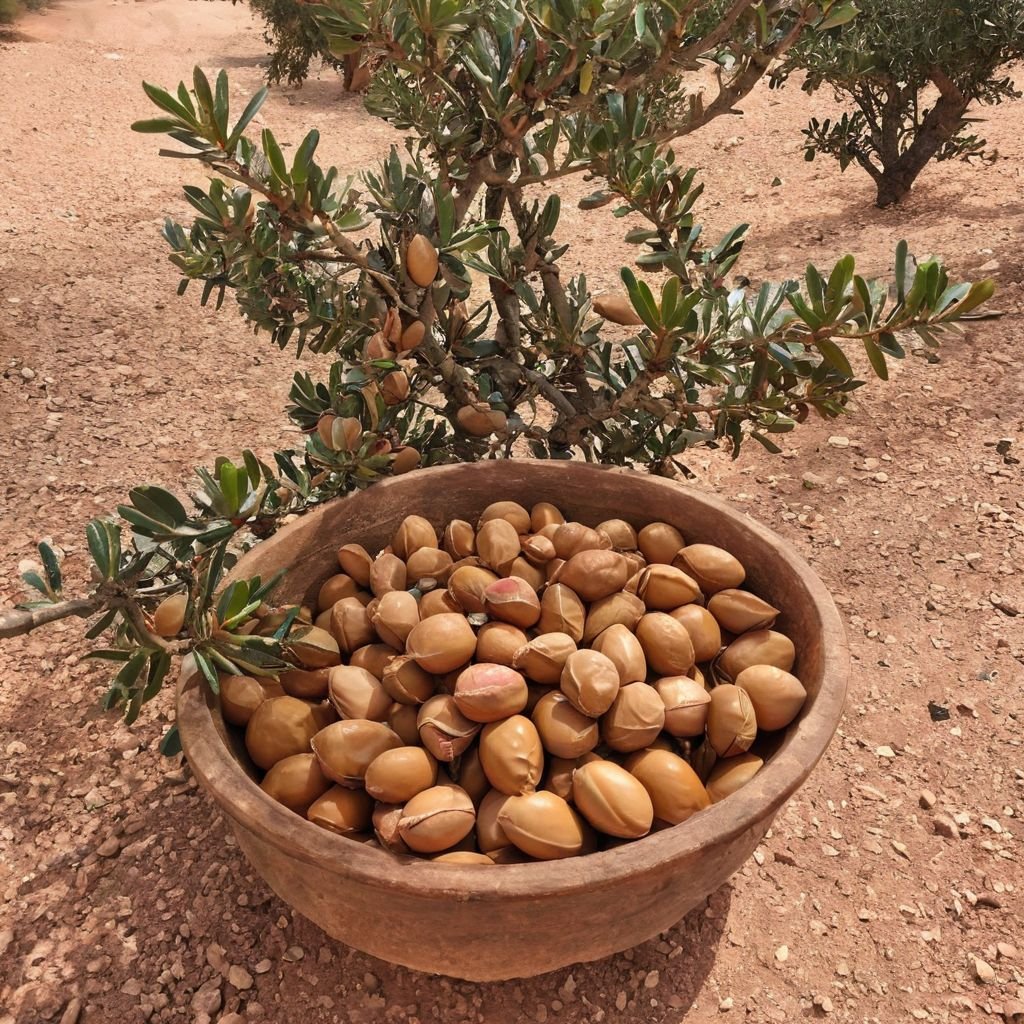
x,y
519,920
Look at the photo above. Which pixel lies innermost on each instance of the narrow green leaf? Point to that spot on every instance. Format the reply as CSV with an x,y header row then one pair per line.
x,y
170,745
101,625
52,567
251,110
272,151
99,547
34,580
876,358
834,356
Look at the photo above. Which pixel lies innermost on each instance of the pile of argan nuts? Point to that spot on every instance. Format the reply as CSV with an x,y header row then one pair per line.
x,y
523,689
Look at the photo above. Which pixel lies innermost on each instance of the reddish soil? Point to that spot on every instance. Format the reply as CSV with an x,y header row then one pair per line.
x,y
124,896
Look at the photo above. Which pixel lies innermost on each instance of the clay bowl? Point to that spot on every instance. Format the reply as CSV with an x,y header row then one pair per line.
x,y
511,921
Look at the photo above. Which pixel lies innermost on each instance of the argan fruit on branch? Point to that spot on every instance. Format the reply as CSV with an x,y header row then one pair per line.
x,y
405,460
421,262
169,617
394,387
437,819
480,420
296,781
612,800
777,695
616,307
542,825
412,336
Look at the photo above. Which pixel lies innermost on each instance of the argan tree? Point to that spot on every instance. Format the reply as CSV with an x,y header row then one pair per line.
x,y
908,72
501,99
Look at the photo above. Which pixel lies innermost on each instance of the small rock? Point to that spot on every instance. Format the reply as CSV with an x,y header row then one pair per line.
x,y
944,825
885,752
987,268
725,1005
812,480
782,954
992,825
838,441
823,1003
232,1018
1006,951
6,938
27,373
1013,1011
652,979
294,953
620,1000
216,958
239,977
983,971
110,847
263,966
208,999
71,1012
926,799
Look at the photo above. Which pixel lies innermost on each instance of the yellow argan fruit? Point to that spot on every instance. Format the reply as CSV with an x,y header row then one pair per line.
x,y
511,755
739,611
437,819
777,696
612,800
712,567
542,825
373,657
396,614
666,644
480,420
399,774
296,781
673,786
346,812
438,602
402,721
334,589
572,538
467,771
616,308
394,387
758,647
659,543
346,749
421,262
412,336
732,724
532,574
169,617
729,774
278,728
686,705
441,643
705,634
350,625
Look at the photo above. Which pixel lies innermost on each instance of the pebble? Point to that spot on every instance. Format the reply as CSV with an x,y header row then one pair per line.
x,y
208,999
983,971
926,799
239,977
231,1018
885,752
620,1000
1006,951
823,1003
782,954
725,1005
27,373
110,847
652,979
838,441
944,825
71,1012
263,966
294,953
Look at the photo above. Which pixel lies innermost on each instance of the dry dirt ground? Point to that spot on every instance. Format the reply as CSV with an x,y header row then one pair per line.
x,y
889,888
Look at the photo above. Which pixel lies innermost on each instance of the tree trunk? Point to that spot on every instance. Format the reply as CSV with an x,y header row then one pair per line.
x,y
940,124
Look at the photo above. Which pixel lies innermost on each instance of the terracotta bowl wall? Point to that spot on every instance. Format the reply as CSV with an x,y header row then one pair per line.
x,y
520,920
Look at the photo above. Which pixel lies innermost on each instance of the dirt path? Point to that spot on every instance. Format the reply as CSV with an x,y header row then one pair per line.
x,y
123,895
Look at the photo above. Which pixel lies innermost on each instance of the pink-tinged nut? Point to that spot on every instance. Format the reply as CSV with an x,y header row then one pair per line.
x,y
444,730
512,600
487,693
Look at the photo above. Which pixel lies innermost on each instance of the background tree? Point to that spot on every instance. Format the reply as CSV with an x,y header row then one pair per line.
x,y
501,98
910,71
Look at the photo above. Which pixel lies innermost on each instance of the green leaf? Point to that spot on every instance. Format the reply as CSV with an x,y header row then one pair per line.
x,y
34,580
52,567
272,151
101,625
128,675
165,101
208,671
641,298
901,271
156,126
170,745
838,14
876,358
99,547
251,110
220,107
834,356
159,664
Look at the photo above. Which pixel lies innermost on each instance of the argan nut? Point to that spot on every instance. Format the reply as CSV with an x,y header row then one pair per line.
x,y
296,781
538,550
334,589
623,649
421,261
444,730
616,308
412,336
758,647
441,643
402,721
543,658
623,609
467,771
357,694
664,587
594,574
572,538
511,511
590,681
487,693
169,616
497,642
659,543
404,681
463,857
531,574
666,643
404,460
413,533
612,800
712,567
240,696
728,775
428,563
635,718
552,568
564,731
686,705
479,419
313,647
350,625
497,544
278,728
394,618
346,749
740,611
542,825
777,696
512,600
394,387
355,560
399,774
387,573
702,759
705,634
511,755
459,539
466,586
561,611
346,812
732,724
307,684
545,514
620,533
438,602
375,658
673,786
386,818
558,779
436,819
490,836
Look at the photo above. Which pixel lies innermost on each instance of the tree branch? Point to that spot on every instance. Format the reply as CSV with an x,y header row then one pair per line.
x,y
19,621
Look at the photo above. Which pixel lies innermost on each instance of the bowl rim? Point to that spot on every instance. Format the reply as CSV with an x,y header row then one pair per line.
x,y
243,801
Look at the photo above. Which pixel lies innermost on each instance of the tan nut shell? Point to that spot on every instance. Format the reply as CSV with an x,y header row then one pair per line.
x,y
659,543
444,729
621,647
594,574
442,643
497,544
702,626
413,533
355,560
732,724
467,771
375,658
490,835
543,658
740,611
278,728
437,819
712,567
346,749
561,611
296,781
590,681
467,585
622,609
777,696
664,587
728,775
394,617
402,721
686,705
510,510
673,786
340,810
334,589
758,647
355,693
463,857
564,731
511,755
459,539
350,625
428,564
314,647
438,602
666,643
397,775
572,538
307,684
635,718
542,825
497,642
612,800
387,573
512,600
620,533
488,693
404,681
240,696
545,514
